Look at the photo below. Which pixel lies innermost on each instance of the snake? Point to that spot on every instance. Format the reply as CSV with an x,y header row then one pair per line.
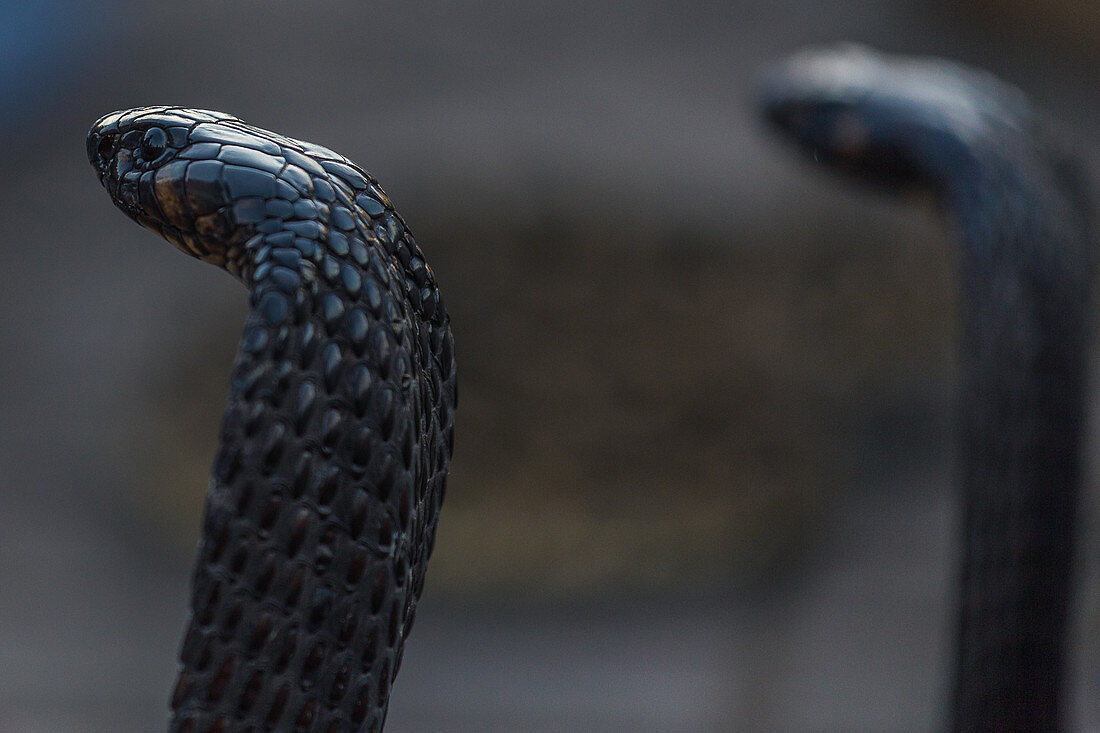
x,y
1009,179
331,467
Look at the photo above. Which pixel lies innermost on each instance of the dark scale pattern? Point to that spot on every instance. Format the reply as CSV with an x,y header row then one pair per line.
x,y
1027,258
327,484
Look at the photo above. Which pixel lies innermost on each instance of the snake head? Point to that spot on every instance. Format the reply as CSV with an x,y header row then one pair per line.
x,y
896,121
200,179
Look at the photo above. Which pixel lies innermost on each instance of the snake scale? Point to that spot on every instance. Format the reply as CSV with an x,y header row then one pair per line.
x,y
336,439
1009,179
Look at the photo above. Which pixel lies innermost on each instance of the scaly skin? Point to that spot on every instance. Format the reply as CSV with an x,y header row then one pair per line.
x,y
325,494
1026,264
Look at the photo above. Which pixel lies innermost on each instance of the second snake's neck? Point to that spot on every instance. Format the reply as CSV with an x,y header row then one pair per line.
x,y
1025,274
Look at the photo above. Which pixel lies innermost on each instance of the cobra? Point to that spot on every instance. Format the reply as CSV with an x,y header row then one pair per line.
x,y
335,443
1026,261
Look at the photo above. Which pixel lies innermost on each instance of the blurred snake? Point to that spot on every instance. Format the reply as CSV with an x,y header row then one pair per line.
x,y
1026,260
325,492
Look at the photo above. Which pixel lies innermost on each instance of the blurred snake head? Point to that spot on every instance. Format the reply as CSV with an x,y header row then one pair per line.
x,y
899,123
198,178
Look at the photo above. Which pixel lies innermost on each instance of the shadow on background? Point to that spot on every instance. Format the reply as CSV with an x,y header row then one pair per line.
x,y
703,468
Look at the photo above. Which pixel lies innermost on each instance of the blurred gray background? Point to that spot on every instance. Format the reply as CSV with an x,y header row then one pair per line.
x,y
703,471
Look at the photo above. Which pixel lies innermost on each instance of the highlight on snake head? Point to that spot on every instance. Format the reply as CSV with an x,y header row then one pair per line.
x,y
196,177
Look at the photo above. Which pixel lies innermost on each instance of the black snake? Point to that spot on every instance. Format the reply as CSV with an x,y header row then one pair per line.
x,y
325,492
1009,180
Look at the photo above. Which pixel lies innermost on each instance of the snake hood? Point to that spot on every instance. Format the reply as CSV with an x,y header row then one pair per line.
x,y
334,449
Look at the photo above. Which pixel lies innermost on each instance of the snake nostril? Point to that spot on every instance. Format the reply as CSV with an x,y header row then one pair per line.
x,y
105,147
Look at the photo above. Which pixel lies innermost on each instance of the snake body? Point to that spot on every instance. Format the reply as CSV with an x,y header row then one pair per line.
x,y
1026,263
325,491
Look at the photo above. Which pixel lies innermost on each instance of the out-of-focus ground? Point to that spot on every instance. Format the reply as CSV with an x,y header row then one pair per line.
x,y
703,470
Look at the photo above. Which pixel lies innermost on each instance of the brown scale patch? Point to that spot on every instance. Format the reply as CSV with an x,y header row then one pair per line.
x,y
170,195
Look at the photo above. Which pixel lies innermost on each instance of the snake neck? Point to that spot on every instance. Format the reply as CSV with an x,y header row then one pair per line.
x,y
1025,265
1025,270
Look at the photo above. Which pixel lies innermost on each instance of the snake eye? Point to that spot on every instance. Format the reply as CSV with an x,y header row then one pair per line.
x,y
153,144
